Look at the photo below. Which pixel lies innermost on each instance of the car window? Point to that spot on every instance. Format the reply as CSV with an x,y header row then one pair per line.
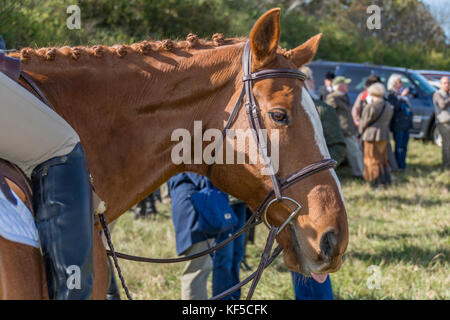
x,y
385,75
422,83
433,76
358,76
415,80
319,72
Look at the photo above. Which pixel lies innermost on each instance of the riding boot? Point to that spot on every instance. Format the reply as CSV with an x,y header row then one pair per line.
x,y
64,218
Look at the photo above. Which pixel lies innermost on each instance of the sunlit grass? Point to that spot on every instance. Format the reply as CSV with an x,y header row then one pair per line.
x,y
403,231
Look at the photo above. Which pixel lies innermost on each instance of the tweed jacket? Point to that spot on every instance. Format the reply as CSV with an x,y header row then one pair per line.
x,y
379,130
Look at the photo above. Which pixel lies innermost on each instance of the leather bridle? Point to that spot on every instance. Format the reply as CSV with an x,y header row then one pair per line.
x,y
273,196
253,116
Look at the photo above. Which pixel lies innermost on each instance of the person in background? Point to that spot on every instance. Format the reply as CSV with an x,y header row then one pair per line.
x,y
361,98
357,108
441,99
340,101
227,260
334,137
374,129
401,121
147,207
327,87
189,239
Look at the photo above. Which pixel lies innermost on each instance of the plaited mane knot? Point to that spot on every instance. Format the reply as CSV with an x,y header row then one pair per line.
x,y
145,47
121,51
192,40
76,53
50,54
25,54
42,52
286,53
167,44
218,39
98,51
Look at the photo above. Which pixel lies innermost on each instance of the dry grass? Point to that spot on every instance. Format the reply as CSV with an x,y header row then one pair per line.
x,y
404,231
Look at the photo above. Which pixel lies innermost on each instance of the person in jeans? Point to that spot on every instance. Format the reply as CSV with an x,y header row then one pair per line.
x,y
374,129
189,239
227,260
441,99
401,121
340,101
306,288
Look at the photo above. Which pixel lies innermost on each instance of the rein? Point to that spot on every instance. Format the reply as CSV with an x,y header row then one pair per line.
x,y
273,196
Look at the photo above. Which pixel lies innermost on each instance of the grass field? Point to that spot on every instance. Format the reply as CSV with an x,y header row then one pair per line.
x,y
399,241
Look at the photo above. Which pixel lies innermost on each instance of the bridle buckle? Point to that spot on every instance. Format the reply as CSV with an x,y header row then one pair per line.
x,y
289,219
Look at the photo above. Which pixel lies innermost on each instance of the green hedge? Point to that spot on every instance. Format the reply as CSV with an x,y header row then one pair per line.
x,y
43,23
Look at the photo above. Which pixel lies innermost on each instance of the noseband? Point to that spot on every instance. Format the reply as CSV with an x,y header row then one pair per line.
x,y
273,196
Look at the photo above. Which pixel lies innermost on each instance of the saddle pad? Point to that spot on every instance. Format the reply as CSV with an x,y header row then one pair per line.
x,y
17,223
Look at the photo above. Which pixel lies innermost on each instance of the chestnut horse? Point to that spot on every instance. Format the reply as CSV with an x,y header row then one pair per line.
x,y
125,102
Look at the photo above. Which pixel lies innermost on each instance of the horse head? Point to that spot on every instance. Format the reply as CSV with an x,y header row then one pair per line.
x,y
317,237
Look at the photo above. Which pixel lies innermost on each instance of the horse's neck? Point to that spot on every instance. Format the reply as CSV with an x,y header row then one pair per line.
x,y
126,110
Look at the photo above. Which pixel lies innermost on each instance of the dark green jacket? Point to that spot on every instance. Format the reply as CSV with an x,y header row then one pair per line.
x,y
340,102
332,131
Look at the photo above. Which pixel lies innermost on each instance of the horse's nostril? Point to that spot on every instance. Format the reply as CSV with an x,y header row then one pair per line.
x,y
327,244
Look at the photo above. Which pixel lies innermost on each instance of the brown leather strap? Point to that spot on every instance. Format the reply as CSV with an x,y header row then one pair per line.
x,y
35,88
15,179
264,258
251,222
10,66
6,190
234,288
14,187
104,224
274,73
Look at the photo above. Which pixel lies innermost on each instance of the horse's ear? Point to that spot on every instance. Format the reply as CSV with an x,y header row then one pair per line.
x,y
304,53
264,37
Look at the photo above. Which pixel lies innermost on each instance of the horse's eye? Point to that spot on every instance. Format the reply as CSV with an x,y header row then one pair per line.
x,y
279,116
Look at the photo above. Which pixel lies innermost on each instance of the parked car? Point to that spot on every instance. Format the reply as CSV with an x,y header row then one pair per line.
x,y
434,76
420,91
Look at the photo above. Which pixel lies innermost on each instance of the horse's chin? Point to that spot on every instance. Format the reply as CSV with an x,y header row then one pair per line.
x,y
298,263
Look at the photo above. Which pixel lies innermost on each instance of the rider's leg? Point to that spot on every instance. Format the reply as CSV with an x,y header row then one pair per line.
x,y
48,150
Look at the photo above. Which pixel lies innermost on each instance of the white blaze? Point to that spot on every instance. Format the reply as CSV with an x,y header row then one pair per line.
x,y
313,115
